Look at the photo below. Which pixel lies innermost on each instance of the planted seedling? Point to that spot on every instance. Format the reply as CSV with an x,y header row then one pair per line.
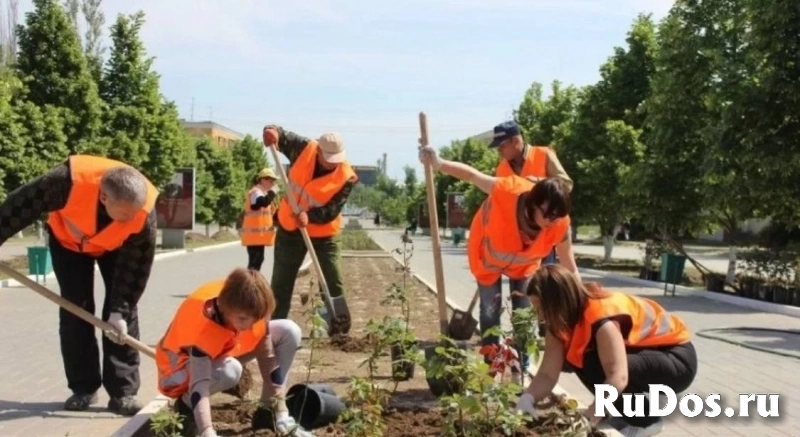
x,y
366,403
166,423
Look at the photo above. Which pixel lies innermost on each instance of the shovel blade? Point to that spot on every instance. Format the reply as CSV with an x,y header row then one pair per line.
x,y
341,323
462,326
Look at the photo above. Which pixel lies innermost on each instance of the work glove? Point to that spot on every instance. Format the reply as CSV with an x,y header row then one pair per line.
x,y
208,432
525,405
428,155
120,328
270,136
264,418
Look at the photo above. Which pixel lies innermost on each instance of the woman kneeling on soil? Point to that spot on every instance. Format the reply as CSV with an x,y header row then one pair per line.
x,y
515,228
219,328
611,338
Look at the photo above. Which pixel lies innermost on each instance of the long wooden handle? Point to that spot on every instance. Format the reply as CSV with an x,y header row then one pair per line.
x,y
74,309
303,231
433,217
474,300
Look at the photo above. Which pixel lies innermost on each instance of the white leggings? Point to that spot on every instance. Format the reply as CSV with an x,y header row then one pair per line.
x,y
286,337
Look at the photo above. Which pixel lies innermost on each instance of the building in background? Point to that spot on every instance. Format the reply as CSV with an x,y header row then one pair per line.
x,y
219,134
367,174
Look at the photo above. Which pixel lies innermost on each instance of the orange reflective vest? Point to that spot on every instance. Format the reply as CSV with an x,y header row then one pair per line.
x,y
495,246
257,228
535,164
192,327
312,193
644,323
75,225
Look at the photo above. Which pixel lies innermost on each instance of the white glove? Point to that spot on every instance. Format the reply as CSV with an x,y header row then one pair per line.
x,y
120,326
428,155
525,404
208,432
287,426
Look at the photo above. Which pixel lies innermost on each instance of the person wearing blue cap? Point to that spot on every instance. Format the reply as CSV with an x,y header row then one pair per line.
x,y
535,163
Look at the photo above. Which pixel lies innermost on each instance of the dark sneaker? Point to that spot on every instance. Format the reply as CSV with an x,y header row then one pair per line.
x,y
126,405
80,402
186,416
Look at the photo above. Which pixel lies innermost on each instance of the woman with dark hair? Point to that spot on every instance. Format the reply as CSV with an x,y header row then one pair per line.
x,y
626,341
515,228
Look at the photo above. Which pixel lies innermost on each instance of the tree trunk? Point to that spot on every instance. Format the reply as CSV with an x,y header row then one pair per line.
x,y
608,247
731,276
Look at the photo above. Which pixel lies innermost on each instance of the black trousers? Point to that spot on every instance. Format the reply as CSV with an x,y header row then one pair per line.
x,y
75,274
675,367
255,257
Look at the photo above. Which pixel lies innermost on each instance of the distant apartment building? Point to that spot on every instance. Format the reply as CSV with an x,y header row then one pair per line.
x,y
367,174
220,135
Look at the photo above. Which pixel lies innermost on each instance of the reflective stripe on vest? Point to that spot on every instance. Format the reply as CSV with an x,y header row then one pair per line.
x,y
506,258
650,325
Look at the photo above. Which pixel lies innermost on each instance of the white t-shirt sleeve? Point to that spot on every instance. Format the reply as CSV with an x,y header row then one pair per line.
x,y
255,195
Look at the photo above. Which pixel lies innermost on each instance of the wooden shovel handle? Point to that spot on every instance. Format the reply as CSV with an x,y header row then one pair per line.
x,y
74,309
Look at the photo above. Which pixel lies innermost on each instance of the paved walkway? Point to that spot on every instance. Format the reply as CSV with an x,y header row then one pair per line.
x,y
34,387
724,368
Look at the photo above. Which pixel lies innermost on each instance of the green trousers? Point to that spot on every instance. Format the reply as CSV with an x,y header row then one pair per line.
x,y
290,251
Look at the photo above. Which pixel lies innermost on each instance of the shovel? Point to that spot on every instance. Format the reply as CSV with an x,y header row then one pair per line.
x,y
462,325
74,309
335,314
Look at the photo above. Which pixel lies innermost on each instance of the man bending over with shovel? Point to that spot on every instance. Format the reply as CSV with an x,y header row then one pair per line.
x,y
100,210
320,179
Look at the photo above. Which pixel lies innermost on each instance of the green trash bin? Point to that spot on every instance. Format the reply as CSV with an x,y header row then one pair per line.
x,y
672,270
39,261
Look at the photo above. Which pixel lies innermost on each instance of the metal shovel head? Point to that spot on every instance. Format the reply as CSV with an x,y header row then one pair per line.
x,y
341,324
462,325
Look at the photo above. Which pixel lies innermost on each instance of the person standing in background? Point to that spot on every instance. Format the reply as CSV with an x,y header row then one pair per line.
x,y
258,230
534,163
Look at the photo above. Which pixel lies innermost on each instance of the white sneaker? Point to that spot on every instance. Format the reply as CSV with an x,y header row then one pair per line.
x,y
286,426
635,431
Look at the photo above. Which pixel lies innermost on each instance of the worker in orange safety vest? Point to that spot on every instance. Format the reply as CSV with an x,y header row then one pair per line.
x,y
100,212
257,230
517,225
613,338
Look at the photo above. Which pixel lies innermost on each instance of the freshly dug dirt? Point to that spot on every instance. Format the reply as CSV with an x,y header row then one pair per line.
x,y
405,421
335,361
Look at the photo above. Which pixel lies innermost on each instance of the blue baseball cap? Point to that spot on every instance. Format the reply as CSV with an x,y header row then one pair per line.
x,y
503,132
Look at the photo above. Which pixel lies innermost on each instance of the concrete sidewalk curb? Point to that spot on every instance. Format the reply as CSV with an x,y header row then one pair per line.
x,y
135,424
9,283
557,389
680,290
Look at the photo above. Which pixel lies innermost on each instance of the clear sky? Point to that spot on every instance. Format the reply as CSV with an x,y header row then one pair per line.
x,y
366,69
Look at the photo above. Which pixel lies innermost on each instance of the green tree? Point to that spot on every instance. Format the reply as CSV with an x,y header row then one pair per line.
x,y
772,101
603,144
249,155
539,118
144,130
206,192
52,66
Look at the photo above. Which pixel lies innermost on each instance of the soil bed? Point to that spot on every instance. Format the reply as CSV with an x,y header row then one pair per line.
x,y
413,410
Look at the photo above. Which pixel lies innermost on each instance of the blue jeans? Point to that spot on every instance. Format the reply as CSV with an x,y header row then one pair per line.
x,y
552,258
491,305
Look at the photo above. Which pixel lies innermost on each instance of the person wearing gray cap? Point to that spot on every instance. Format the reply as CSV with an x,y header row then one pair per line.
x,y
320,179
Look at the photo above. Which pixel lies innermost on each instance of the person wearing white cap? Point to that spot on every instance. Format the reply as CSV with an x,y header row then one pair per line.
x,y
320,179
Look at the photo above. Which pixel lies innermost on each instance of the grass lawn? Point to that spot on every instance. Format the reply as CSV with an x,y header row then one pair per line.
x,y
356,239
194,240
